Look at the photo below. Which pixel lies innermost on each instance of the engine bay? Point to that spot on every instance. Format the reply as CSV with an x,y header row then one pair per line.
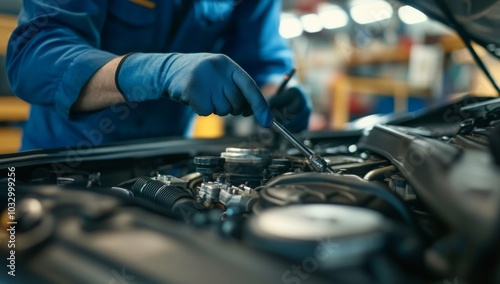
x,y
414,201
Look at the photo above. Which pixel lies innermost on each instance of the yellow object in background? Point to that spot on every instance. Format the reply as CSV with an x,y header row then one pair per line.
x,y
7,25
12,110
10,139
211,126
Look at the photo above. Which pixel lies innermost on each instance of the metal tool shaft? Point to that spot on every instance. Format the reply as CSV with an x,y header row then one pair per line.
x,y
291,138
318,163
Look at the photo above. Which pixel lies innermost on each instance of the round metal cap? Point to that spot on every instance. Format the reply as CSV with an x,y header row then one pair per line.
x,y
315,221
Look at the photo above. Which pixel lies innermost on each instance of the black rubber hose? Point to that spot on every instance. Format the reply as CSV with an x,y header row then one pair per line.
x,y
169,197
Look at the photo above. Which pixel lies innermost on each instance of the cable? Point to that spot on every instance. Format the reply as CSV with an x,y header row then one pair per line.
x,y
463,35
127,183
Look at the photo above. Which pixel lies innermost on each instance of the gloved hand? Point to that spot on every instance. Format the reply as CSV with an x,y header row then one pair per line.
x,y
292,108
209,83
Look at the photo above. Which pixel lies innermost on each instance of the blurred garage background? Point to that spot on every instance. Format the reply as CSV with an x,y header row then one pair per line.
x,y
354,57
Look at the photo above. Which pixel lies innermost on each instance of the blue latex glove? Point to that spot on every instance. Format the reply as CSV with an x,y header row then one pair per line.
x,y
292,108
209,83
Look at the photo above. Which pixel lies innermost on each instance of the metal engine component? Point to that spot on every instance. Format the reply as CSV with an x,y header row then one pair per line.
x,y
171,180
340,236
317,163
246,165
242,196
208,194
213,193
399,185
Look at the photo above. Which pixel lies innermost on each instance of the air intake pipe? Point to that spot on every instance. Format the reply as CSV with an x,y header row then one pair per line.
x,y
175,199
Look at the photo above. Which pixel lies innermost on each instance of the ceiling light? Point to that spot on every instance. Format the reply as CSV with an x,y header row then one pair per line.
x,y
290,26
311,23
365,12
332,16
410,15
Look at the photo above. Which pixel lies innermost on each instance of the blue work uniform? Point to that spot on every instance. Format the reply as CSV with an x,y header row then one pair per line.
x,y
60,44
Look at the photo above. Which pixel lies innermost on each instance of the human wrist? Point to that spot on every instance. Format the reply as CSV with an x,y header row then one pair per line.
x,y
137,76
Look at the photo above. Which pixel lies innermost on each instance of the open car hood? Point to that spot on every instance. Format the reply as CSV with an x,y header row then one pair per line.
x,y
479,19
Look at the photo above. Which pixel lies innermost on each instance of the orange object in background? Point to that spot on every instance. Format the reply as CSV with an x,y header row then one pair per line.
x,y
7,24
12,110
10,139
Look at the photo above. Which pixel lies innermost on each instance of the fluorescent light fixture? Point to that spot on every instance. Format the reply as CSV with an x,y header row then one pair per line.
x,y
290,26
365,12
332,16
410,15
311,23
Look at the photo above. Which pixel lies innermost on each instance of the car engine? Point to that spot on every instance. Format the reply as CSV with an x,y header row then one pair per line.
x,y
416,200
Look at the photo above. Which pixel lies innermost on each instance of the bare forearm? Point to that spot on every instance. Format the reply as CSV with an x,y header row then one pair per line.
x,y
100,91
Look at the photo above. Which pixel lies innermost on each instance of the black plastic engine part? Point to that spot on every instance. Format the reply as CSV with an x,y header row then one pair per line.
x,y
279,167
459,185
276,170
495,144
440,174
208,165
284,162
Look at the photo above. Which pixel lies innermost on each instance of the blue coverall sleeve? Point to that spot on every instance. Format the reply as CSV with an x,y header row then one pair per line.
x,y
55,50
255,43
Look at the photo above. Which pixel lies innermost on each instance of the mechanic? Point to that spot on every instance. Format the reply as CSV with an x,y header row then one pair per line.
x,y
100,71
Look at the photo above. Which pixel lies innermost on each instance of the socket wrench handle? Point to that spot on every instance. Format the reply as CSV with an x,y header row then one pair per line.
x,y
316,162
